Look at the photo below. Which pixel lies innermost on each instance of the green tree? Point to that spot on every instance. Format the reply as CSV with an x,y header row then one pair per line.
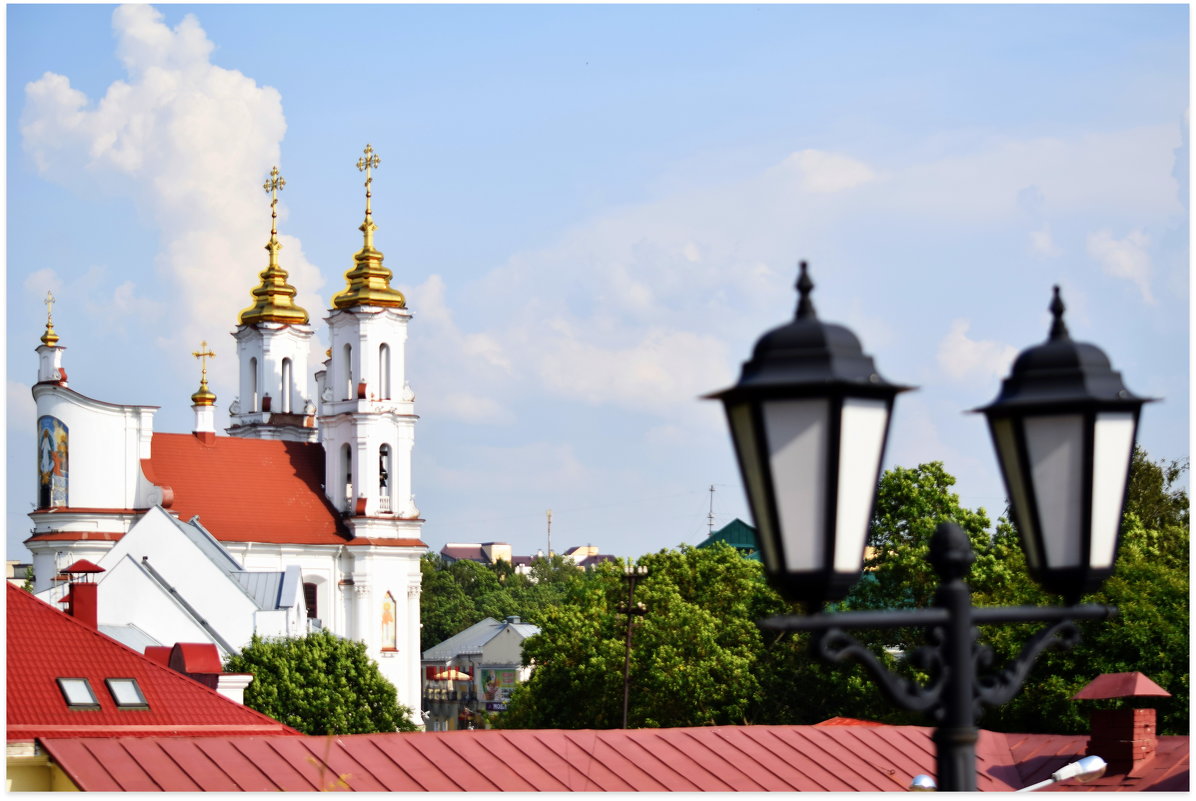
x,y
694,655
319,684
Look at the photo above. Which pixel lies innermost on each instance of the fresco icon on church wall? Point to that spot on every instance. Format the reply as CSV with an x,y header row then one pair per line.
x,y
53,442
389,632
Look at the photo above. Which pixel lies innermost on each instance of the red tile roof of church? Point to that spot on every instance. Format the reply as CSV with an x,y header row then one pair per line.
x,y
247,490
44,644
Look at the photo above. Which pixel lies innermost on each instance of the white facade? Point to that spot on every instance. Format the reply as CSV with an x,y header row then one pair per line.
x,y
94,490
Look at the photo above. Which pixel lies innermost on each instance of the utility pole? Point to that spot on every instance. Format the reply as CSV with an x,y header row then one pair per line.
x,y
710,515
549,514
631,574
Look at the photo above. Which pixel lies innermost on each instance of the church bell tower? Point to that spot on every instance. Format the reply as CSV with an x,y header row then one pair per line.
x,y
367,415
273,338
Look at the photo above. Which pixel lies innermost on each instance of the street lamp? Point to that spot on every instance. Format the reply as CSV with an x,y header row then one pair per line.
x,y
631,574
809,418
810,414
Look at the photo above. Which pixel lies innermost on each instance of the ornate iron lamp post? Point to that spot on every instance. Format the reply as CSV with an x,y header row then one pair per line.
x,y
809,419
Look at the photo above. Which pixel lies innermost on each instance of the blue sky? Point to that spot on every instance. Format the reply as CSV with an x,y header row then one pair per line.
x,y
594,212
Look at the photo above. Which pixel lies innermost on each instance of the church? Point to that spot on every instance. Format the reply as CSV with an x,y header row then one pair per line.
x,y
306,505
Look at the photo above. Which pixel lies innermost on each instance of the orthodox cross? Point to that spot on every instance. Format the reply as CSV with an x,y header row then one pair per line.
x,y
370,159
49,301
203,354
274,184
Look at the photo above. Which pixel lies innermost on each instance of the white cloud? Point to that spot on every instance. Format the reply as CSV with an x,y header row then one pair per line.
x,y
965,359
1127,258
39,282
821,172
466,408
190,142
1042,243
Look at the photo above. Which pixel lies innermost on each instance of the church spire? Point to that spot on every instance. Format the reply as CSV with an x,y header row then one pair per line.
x,y
368,281
274,298
49,338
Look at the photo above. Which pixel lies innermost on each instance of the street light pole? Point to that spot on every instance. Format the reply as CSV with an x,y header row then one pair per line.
x,y
631,574
809,418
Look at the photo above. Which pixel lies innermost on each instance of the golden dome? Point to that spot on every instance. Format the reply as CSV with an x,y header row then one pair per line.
x,y
368,281
204,396
49,337
274,298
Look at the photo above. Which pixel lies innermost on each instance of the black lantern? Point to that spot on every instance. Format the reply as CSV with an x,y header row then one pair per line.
x,y
809,419
1064,428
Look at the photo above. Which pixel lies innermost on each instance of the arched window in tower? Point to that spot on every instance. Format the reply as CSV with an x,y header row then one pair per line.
x,y
347,474
384,371
390,628
349,393
384,482
286,386
253,405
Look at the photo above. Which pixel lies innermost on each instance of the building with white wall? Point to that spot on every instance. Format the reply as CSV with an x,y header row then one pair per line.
x,y
322,485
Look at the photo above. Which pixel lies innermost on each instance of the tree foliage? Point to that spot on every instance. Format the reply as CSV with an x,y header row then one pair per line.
x,y
319,684
694,657
700,659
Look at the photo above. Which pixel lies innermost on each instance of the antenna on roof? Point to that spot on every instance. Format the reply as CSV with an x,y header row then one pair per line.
x,y
549,514
710,515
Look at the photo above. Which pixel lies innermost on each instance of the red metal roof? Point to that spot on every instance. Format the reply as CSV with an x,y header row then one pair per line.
x,y
83,566
717,759
1042,754
1120,685
43,644
247,490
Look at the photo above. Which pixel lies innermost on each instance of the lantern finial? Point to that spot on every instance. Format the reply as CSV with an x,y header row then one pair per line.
x,y
1058,327
805,306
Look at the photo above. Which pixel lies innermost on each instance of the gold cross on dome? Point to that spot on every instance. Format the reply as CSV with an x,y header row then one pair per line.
x,y
369,160
49,301
274,184
203,354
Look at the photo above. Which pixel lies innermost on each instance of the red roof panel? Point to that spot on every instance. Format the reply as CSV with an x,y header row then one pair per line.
x,y
248,490
45,644
787,758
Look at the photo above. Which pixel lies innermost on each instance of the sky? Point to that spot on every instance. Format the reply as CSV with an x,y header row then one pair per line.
x,y
594,213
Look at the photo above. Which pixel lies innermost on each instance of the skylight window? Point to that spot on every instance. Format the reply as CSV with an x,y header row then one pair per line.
x,y
78,693
126,693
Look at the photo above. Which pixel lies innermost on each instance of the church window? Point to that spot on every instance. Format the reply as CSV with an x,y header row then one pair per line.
x,y
347,473
286,386
253,385
310,593
384,482
349,390
384,371
389,624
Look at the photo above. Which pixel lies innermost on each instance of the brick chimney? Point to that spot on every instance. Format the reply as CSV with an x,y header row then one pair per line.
x,y
84,592
1122,737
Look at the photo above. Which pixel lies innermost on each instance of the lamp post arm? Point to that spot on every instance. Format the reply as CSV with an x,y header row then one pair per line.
x,y
1000,689
837,645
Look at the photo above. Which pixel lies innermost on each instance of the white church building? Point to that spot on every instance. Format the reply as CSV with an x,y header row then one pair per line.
x,y
303,516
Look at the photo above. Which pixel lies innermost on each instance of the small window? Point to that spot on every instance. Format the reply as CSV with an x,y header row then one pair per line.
x,y
78,693
309,599
126,693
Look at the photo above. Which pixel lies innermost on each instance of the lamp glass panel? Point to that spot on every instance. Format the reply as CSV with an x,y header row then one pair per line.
x,y
1056,449
1005,437
797,448
1113,445
861,441
743,433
